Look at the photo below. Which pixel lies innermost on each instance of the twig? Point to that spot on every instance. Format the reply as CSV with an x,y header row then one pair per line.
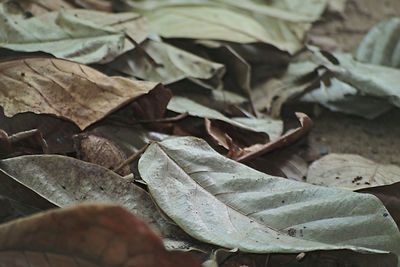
x,y
132,158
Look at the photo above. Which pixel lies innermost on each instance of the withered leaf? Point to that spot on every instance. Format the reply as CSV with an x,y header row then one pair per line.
x,y
66,89
100,151
85,235
351,171
291,136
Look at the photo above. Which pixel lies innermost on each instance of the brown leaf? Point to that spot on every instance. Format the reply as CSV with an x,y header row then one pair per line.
x,y
56,132
66,89
85,235
224,133
25,142
288,138
100,151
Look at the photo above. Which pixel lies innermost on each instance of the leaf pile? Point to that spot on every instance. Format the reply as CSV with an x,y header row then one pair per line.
x,y
149,111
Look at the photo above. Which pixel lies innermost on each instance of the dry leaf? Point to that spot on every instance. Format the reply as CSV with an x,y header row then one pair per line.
x,y
26,142
100,151
66,89
351,171
85,235
288,138
38,7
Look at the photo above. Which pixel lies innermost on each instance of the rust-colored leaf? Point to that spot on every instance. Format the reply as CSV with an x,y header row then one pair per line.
x,y
243,155
66,89
100,151
85,235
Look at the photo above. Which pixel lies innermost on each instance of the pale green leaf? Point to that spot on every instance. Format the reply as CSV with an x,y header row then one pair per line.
x,y
220,201
67,37
368,79
173,64
340,96
381,45
272,127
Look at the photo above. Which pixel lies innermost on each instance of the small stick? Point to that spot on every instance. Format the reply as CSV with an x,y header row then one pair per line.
x,y
132,158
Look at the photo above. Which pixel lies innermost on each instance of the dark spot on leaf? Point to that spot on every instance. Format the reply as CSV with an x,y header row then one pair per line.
x,y
356,179
76,15
368,183
22,74
292,232
160,65
63,187
337,177
357,183
180,55
28,15
283,201
101,188
212,70
385,214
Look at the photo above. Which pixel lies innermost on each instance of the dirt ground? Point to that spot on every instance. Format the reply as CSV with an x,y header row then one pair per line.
x,y
377,139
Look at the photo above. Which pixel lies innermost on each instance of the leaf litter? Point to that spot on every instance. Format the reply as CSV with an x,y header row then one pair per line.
x,y
72,133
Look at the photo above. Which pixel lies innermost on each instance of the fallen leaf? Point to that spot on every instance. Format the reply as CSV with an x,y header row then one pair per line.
x,y
282,24
390,197
222,202
101,5
67,37
340,96
53,180
56,132
266,125
282,163
288,138
85,235
134,25
66,89
351,171
66,181
22,143
173,64
380,45
38,7
100,151
369,79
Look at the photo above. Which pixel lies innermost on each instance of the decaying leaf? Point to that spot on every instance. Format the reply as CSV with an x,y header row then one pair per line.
x,y
351,171
22,143
56,132
66,89
100,151
220,201
288,138
85,235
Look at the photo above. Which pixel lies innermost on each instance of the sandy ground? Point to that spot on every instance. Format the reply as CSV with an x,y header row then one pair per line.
x,y
377,139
